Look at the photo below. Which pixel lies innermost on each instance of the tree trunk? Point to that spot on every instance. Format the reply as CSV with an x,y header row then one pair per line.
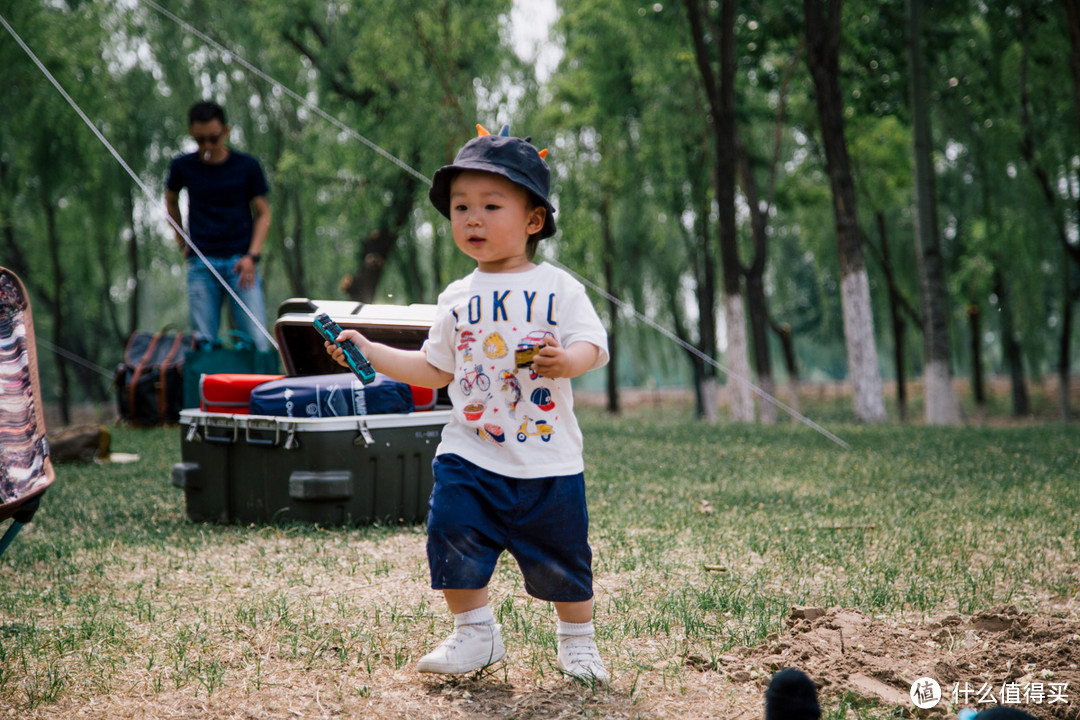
x,y
759,330
823,59
705,280
898,326
978,382
755,284
737,355
133,271
721,94
52,240
1071,252
783,331
1064,350
1043,177
293,251
940,401
613,308
1014,357
375,250
707,344
740,395
697,365
13,257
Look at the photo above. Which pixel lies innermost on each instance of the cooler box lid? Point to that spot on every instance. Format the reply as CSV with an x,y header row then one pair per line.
x,y
302,351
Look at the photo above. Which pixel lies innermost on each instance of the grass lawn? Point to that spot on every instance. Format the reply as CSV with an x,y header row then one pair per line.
x,y
114,605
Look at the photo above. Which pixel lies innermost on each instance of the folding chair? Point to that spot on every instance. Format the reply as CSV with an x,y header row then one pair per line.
x,y
25,468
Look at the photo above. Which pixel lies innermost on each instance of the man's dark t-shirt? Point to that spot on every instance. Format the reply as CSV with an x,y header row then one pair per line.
x,y
219,200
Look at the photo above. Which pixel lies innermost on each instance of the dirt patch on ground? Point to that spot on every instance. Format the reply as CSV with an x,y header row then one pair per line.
x,y
1000,656
1025,660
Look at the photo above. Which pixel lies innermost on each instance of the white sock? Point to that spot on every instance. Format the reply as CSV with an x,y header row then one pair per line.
x,y
479,616
568,629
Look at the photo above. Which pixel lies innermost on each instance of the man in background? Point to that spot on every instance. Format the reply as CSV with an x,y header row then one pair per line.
x,y
228,218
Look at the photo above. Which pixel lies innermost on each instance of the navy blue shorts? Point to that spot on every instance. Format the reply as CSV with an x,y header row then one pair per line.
x,y
543,522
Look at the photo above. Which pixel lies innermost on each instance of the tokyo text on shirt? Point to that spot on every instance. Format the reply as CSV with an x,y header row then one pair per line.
x,y
506,418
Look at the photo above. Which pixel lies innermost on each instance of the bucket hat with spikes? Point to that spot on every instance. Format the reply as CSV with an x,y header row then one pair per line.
x,y
513,158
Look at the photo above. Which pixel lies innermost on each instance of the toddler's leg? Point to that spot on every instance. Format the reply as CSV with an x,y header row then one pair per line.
x,y
476,641
460,601
578,654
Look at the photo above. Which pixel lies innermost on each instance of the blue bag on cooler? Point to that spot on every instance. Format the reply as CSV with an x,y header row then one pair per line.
x,y
330,396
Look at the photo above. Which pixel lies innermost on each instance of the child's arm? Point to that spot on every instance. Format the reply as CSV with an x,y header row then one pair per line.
x,y
555,361
407,366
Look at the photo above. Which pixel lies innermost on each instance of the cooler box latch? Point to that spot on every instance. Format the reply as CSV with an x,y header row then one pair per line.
x,y
364,438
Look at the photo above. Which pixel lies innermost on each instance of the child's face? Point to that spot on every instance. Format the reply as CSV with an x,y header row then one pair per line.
x,y
491,219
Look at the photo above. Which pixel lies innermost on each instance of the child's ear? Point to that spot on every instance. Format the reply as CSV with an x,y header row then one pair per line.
x,y
536,219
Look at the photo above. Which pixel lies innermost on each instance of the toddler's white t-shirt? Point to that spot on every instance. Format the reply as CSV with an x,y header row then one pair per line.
x,y
505,418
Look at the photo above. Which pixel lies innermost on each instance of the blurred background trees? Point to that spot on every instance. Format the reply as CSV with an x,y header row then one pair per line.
x,y
698,151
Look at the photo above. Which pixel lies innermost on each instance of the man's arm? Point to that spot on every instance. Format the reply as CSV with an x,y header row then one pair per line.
x,y
260,211
172,204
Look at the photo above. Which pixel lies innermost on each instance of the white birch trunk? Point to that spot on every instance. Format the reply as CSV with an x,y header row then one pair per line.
x,y
710,396
863,368
766,410
942,407
738,360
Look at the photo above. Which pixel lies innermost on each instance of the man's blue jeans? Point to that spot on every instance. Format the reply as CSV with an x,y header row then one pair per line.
x,y
206,296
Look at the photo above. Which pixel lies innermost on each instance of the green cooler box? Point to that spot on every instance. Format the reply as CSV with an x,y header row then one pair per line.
x,y
355,469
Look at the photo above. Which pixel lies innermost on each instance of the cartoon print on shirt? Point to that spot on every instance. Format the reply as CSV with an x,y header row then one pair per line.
x,y
541,398
474,376
474,410
538,427
491,433
494,346
465,341
491,319
511,389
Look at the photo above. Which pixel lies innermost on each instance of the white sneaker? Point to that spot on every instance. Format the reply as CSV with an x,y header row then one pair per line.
x,y
469,647
579,658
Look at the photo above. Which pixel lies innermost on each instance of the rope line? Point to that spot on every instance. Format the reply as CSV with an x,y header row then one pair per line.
x,y
134,176
776,402
288,91
75,358
795,414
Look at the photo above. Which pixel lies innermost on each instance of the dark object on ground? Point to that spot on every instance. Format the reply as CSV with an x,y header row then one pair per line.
x,y
1001,713
791,695
80,443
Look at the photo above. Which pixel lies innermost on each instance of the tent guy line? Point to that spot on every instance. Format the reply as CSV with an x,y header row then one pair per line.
x,y
776,402
123,163
405,167
288,91
427,181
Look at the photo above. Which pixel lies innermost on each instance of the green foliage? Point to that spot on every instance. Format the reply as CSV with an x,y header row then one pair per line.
x,y
627,123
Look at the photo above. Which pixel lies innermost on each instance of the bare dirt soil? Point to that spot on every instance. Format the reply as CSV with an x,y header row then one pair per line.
x,y
1029,662
1000,656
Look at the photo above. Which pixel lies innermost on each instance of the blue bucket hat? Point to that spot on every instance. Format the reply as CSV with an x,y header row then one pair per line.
x,y
513,158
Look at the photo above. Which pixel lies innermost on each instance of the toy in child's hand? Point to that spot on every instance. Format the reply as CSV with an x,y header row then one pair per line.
x,y
356,360
529,346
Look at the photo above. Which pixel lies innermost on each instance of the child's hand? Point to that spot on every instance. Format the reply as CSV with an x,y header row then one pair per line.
x,y
555,361
361,342
551,361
